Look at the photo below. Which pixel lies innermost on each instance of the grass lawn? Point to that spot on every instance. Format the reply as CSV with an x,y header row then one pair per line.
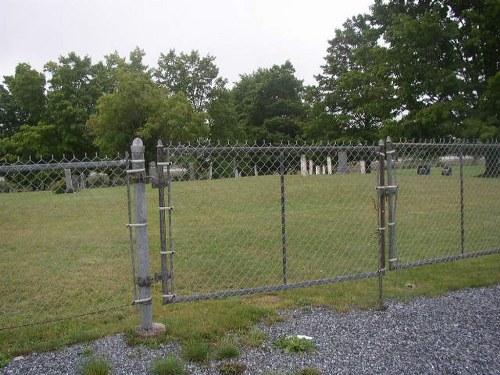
x,y
66,255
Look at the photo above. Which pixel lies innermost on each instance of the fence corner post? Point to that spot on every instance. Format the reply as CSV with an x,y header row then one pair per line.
x,y
144,280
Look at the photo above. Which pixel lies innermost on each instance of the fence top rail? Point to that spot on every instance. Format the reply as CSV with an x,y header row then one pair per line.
x,y
183,149
455,146
14,168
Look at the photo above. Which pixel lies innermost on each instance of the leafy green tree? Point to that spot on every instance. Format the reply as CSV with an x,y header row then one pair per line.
x,y
223,119
417,69
122,113
269,104
34,141
71,99
358,95
195,76
22,100
139,107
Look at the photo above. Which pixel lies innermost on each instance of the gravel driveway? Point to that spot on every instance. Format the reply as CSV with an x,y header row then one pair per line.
x,y
455,334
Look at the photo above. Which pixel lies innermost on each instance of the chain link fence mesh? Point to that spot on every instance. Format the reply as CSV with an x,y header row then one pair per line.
x,y
247,219
62,255
448,202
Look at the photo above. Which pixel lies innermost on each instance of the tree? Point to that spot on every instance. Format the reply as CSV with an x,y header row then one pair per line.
x,y
269,105
195,76
71,100
415,69
23,98
223,119
139,107
357,91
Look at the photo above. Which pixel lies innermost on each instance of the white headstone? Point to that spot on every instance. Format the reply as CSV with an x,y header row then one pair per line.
x,y
329,164
303,165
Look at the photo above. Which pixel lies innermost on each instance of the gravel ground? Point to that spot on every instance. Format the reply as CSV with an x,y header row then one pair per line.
x,y
455,334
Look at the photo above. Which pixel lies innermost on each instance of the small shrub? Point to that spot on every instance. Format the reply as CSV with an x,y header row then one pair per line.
x,y
169,365
196,351
293,345
227,351
231,368
254,338
308,371
95,366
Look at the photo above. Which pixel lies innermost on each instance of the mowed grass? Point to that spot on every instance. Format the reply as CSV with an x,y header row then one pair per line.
x,y
67,255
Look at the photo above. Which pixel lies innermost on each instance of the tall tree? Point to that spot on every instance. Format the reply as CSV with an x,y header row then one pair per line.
x,y
27,101
139,107
269,104
197,77
72,97
356,86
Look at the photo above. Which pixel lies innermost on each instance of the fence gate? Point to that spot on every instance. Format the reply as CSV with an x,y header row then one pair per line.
x,y
250,219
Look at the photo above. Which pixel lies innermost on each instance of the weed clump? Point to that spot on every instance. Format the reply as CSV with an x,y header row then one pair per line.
x,y
169,365
295,345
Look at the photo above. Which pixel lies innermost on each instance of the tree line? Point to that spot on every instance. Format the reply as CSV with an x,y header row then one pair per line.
x,y
415,69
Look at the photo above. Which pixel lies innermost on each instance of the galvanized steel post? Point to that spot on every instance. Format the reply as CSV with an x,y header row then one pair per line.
x,y
381,189
144,279
391,203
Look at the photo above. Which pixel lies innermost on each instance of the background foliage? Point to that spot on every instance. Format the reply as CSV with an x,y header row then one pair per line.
x,y
409,69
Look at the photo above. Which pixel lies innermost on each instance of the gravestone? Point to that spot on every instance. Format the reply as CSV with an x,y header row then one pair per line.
x,y
362,166
423,170
329,165
446,171
303,165
69,181
342,165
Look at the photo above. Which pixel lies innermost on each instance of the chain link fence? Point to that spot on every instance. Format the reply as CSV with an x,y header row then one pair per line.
x,y
62,255
250,219
448,204
237,220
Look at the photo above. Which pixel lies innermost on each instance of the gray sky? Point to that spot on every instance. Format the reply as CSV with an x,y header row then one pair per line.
x,y
243,35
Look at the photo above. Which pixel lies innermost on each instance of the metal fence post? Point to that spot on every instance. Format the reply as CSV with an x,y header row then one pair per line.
x,y
381,189
462,208
144,280
283,217
391,203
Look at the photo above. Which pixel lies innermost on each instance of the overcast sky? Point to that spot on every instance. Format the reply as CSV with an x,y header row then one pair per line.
x,y
243,35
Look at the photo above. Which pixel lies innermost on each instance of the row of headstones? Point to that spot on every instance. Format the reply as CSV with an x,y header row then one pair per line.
x,y
308,167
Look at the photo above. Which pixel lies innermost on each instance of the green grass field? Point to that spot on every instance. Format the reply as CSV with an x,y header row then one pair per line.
x,y
67,255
